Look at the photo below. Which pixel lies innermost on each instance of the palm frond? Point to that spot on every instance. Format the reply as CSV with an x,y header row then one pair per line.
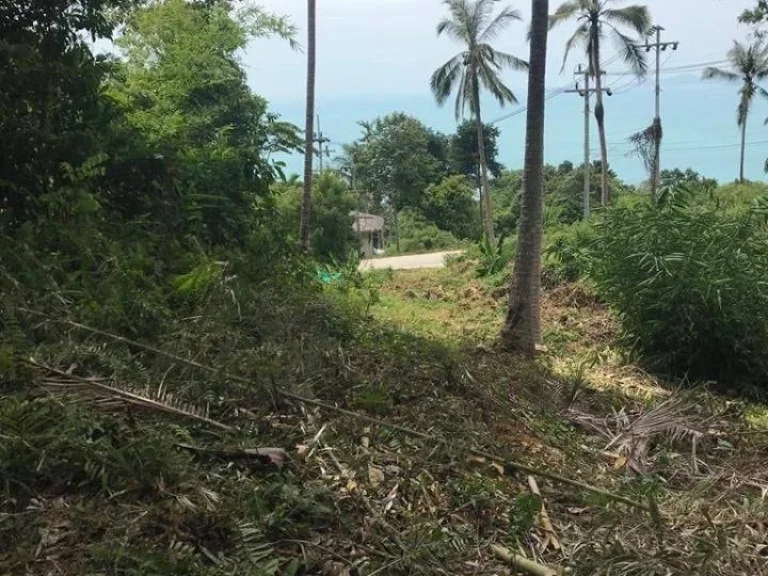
x,y
630,51
497,26
635,17
565,12
110,396
463,94
444,79
451,28
501,60
491,82
581,35
712,73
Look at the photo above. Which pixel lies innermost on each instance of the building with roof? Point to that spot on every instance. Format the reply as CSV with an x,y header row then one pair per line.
x,y
370,229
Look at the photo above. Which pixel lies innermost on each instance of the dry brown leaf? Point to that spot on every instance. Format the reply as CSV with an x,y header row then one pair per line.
x,y
333,568
375,476
498,467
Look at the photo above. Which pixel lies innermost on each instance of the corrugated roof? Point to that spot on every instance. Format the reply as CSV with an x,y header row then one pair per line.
x,y
367,222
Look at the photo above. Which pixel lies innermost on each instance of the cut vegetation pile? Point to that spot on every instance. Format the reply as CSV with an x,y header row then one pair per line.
x,y
190,454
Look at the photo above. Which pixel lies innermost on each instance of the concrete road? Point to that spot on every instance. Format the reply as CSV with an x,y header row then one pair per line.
x,y
411,262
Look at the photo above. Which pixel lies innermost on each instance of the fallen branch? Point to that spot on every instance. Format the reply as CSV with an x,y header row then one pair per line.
x,y
546,524
508,464
127,397
528,566
274,456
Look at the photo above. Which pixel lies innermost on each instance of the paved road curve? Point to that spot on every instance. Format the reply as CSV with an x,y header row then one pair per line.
x,y
434,260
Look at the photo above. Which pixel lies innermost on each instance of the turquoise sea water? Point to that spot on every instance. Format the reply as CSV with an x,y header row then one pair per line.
x,y
699,122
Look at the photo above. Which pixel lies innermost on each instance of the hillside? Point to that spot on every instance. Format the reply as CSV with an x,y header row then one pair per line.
x,y
400,461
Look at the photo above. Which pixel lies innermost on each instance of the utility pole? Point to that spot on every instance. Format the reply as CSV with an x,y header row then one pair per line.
x,y
660,47
586,92
319,139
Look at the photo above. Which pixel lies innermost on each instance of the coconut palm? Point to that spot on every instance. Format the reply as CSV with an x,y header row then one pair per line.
x,y
522,327
596,20
748,65
306,201
472,23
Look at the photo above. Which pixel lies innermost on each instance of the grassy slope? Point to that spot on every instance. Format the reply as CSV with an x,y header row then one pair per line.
x,y
710,505
93,489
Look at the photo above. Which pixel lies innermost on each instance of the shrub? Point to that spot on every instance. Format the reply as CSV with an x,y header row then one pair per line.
x,y
689,284
492,257
418,235
567,253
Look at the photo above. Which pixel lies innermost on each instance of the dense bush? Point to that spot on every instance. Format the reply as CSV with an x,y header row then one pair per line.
x,y
419,235
689,283
332,233
451,206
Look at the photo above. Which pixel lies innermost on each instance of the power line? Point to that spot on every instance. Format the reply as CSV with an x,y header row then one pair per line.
x,y
681,68
674,147
551,95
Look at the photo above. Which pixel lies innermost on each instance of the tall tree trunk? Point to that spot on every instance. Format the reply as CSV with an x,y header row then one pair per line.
x,y
522,327
605,197
485,195
306,202
743,145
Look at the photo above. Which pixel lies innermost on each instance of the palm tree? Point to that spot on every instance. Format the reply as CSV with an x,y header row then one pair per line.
x,y
597,19
522,327
306,201
472,23
748,65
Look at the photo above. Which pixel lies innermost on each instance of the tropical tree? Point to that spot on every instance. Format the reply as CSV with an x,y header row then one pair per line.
x,y
522,327
309,126
748,65
596,20
472,23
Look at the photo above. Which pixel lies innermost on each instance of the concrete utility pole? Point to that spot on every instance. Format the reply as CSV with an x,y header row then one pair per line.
x,y
319,139
660,47
586,92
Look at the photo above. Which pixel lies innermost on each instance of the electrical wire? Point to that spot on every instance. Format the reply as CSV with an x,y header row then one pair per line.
x,y
553,94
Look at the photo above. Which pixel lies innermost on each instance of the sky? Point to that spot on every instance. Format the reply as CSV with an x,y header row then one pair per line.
x,y
376,57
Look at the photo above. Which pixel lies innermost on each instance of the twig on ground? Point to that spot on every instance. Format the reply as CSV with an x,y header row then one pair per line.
x,y
529,566
546,524
128,397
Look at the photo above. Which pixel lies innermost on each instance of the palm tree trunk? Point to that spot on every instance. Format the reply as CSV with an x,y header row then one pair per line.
x,y
306,202
485,196
522,327
605,198
743,145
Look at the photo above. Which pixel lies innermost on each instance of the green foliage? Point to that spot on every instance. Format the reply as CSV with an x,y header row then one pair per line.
x,y
463,151
492,257
419,235
332,235
563,194
397,159
451,206
567,254
688,281
182,91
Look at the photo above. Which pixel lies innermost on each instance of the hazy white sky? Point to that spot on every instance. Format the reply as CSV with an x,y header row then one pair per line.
x,y
389,47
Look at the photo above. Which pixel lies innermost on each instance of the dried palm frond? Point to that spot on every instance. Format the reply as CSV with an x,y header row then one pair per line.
x,y
109,396
631,435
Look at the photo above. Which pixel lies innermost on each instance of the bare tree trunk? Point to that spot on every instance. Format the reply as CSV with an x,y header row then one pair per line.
x,y
485,195
306,202
522,327
605,198
743,145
